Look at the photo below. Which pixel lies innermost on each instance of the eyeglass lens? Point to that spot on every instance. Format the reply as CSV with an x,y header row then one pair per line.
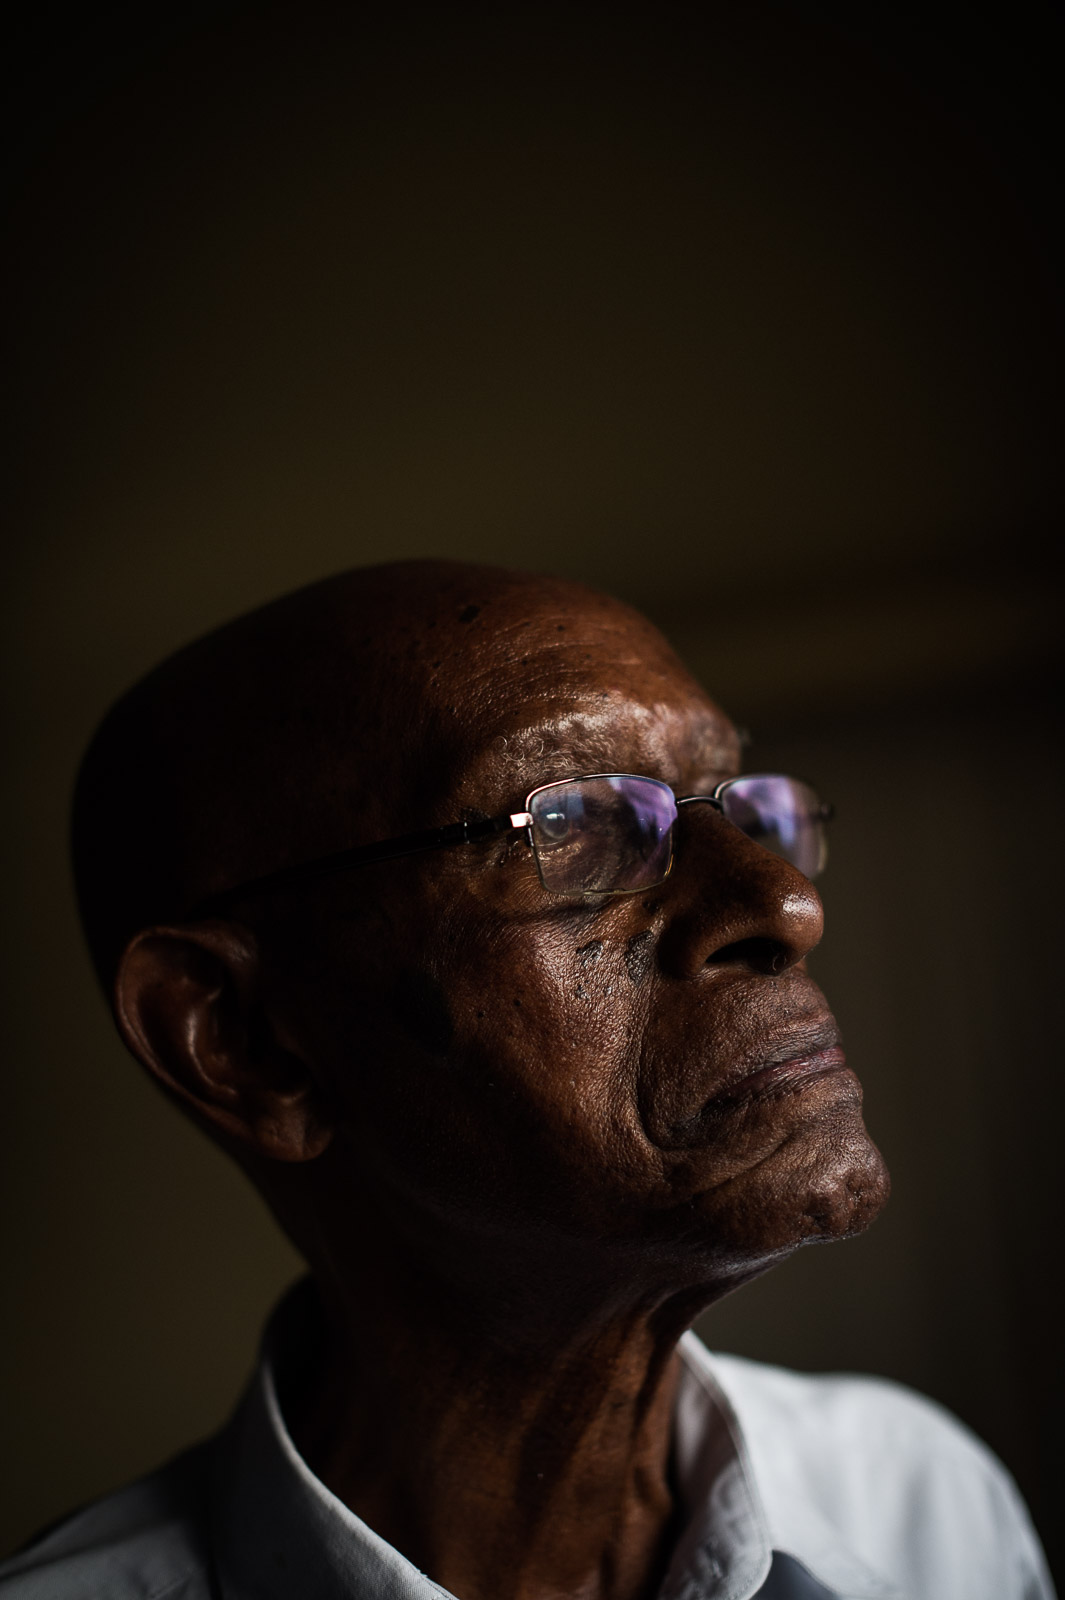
x,y
608,835
782,814
613,834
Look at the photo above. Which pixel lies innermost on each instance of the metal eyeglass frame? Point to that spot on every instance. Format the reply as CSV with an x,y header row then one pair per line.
x,y
456,833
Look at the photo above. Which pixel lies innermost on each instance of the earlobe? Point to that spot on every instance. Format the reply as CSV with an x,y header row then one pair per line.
x,y
187,1005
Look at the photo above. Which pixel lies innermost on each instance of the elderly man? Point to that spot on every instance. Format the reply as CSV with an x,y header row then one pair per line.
x,y
436,896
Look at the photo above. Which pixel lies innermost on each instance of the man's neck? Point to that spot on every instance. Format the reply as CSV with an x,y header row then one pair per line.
x,y
535,1467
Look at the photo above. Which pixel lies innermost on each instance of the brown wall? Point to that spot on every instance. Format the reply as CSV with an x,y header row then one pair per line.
x,y
748,319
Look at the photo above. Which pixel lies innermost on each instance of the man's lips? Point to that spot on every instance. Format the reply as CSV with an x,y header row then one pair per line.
x,y
685,1107
776,1077
805,1050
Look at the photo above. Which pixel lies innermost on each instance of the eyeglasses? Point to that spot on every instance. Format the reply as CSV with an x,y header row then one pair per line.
x,y
609,833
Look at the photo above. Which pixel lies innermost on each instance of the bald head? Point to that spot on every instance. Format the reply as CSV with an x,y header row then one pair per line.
x,y
323,720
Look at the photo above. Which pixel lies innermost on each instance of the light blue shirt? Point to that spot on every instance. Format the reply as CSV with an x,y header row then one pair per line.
x,y
794,1488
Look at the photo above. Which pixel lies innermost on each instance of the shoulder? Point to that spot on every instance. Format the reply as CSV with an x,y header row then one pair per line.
x,y
858,1414
918,1496
146,1541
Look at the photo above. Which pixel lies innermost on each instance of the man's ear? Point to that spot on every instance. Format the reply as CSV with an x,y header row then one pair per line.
x,y
187,1005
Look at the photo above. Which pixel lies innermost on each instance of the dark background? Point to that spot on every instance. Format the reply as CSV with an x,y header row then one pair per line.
x,y
751,314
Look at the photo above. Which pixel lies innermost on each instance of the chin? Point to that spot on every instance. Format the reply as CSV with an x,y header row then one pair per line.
x,y
829,1182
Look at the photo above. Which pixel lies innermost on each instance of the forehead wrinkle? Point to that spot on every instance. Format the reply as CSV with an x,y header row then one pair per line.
x,y
618,734
614,639
543,700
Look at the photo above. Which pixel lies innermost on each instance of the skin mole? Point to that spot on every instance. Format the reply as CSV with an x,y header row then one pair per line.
x,y
588,954
639,952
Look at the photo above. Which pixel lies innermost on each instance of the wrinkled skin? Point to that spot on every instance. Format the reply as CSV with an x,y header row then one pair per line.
x,y
518,1138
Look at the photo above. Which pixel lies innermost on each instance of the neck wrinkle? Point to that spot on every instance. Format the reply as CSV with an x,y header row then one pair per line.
x,y
474,1457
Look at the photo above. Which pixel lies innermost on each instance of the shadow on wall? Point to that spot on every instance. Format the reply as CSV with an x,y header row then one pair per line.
x,y
725,313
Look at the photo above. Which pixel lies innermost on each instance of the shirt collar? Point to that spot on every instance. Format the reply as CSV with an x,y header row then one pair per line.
x,y
279,1530
709,1412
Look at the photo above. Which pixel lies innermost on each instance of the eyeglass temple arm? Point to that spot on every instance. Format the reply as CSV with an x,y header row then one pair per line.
x,y
408,844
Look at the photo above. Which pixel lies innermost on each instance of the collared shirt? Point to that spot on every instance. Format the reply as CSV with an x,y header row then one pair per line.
x,y
794,1488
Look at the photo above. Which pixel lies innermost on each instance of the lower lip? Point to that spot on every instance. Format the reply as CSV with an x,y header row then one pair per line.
x,y
784,1077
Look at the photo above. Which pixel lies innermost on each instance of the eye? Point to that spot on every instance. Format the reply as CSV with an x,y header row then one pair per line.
x,y
555,824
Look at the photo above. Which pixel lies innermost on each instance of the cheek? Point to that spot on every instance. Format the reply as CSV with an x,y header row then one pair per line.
x,y
558,1017
518,1070
556,1027
420,1010
497,1080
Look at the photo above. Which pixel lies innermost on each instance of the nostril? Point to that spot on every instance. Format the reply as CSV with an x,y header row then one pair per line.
x,y
758,954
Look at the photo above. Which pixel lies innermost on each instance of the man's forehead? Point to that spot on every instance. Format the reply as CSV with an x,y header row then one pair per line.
x,y
680,738
542,691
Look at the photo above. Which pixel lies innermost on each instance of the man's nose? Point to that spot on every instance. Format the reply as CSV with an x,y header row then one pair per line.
x,y
734,903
